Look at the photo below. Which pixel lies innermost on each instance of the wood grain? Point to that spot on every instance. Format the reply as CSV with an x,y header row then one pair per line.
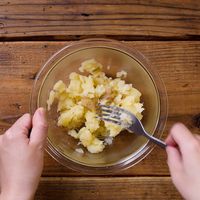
x,y
136,19
176,60
178,64
136,188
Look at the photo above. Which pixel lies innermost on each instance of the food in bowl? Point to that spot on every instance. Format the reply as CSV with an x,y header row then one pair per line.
x,y
77,104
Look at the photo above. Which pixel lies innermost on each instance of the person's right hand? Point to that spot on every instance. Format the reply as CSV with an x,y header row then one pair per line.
x,y
183,152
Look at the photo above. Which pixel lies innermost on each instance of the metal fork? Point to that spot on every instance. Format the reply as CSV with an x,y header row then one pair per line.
x,y
127,120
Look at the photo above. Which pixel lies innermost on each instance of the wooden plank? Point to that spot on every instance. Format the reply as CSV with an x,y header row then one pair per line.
x,y
136,188
62,19
177,62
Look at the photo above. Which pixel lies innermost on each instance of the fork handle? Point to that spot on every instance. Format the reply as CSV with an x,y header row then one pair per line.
x,y
156,140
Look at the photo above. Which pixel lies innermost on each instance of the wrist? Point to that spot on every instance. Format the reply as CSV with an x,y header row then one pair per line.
x,y
16,196
17,192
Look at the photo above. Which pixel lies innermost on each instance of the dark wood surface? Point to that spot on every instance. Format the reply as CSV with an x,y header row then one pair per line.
x,y
62,19
30,32
137,188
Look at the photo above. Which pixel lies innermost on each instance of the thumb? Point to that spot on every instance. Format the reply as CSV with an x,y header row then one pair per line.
x,y
39,127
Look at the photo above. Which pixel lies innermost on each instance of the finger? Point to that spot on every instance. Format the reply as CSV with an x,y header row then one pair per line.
x,y
170,141
0,142
39,130
174,159
21,126
182,136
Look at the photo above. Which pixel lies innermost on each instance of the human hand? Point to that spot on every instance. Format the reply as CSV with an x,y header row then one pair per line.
x,y
183,152
21,157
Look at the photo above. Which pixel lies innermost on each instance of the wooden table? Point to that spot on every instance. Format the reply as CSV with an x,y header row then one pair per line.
x,y
167,32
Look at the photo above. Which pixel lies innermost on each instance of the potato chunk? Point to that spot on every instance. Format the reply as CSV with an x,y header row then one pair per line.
x,y
77,104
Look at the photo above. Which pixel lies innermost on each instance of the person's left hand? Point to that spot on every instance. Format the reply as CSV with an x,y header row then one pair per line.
x,y
21,157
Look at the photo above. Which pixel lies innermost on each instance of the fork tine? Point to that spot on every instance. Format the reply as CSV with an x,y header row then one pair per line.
x,y
106,110
115,109
110,115
107,116
104,106
109,109
110,112
110,120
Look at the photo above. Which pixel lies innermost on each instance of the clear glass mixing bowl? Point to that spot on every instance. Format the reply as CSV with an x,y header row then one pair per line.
x,y
127,149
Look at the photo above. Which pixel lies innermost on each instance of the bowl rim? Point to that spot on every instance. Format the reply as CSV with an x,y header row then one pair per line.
x,y
144,62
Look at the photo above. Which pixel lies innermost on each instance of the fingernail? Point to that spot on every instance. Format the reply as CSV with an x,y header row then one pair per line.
x,y
42,111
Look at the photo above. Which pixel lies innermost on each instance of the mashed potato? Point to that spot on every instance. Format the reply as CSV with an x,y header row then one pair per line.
x,y
77,104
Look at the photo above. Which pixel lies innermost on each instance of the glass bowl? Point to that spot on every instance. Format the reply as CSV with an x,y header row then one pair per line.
x,y
127,148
